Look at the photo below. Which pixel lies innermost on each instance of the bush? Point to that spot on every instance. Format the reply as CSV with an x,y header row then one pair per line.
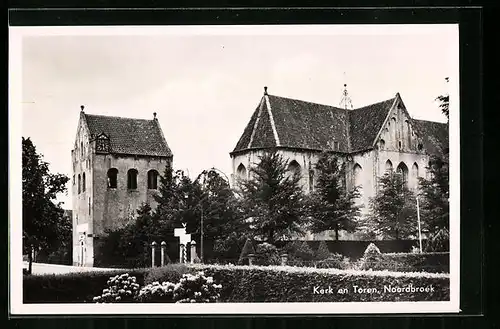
x,y
300,251
334,261
121,288
157,293
438,262
322,252
78,287
247,250
371,258
439,242
196,289
295,284
267,254
170,273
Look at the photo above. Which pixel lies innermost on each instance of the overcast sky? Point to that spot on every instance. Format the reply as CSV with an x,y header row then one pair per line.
x,y
205,86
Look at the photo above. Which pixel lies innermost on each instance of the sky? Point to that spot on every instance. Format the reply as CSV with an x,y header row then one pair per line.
x,y
205,83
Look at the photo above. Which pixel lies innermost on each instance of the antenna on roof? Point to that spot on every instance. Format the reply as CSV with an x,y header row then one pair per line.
x,y
346,100
265,90
82,107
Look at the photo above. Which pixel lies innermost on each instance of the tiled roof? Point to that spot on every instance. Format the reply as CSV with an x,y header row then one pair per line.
x,y
366,122
130,136
434,135
305,125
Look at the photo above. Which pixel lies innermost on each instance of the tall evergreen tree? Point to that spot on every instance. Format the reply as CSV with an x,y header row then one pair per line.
x,y
332,205
393,212
273,199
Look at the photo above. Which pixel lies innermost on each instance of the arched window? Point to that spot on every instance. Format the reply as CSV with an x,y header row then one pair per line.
x,y
132,179
81,148
420,146
415,174
403,170
241,172
388,165
408,133
152,179
294,168
311,180
79,184
393,127
382,144
83,182
400,145
112,178
357,170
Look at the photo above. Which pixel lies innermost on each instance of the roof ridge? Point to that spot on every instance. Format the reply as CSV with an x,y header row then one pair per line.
x,y
303,101
116,117
376,103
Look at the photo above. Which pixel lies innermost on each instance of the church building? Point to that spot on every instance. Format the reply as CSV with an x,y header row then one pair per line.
x,y
371,139
116,166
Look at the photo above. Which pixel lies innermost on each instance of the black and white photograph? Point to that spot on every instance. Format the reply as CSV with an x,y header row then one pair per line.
x,y
232,169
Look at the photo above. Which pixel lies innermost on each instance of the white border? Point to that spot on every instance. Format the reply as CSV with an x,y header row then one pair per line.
x,y
16,35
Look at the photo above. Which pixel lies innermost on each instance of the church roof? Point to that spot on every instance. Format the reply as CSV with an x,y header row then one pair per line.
x,y
291,123
434,135
130,136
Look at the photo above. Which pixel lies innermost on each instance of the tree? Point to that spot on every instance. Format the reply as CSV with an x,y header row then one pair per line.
x,y
332,205
393,212
444,101
43,220
272,199
434,193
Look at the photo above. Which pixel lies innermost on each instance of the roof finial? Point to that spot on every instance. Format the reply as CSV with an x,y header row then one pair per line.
x,y
154,115
82,107
265,90
346,100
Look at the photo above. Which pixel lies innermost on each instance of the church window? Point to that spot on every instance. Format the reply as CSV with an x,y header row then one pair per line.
x,y
415,174
382,144
408,132
81,148
241,172
403,170
132,179
420,146
357,173
294,168
311,180
388,165
89,206
79,184
73,179
112,178
400,144
83,182
152,179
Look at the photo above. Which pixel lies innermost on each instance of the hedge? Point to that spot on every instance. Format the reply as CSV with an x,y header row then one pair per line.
x,y
255,284
294,284
435,262
78,287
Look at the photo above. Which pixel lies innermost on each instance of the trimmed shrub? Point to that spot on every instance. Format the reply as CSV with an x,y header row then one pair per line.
x,y
334,261
170,273
267,254
322,252
121,288
247,249
78,287
295,284
438,262
371,258
300,251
